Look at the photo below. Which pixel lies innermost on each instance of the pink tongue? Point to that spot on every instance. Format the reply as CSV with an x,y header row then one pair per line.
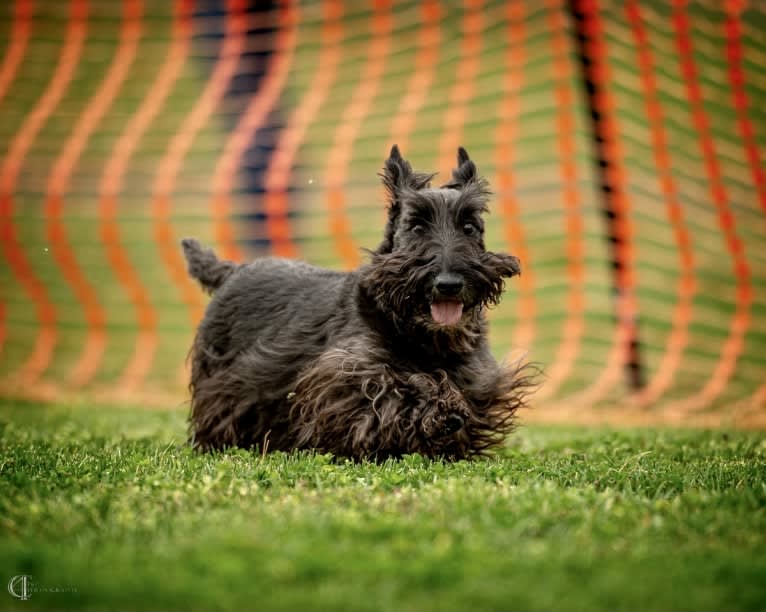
x,y
447,313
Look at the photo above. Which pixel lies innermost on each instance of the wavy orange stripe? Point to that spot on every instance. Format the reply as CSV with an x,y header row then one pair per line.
x,y
626,305
95,317
160,203
135,371
251,120
422,77
740,321
46,339
123,150
277,177
735,53
682,312
170,165
17,47
758,399
63,254
225,168
12,58
574,324
506,136
462,88
740,101
339,157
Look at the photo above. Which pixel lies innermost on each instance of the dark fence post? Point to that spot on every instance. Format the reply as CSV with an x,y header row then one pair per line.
x,y
584,15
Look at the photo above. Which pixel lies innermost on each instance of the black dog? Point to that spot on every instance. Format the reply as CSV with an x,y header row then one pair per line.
x,y
389,359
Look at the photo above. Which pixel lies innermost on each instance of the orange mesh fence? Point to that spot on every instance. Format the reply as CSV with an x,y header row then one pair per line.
x,y
624,143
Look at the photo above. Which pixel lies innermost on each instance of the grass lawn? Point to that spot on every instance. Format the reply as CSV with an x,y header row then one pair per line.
x,y
108,506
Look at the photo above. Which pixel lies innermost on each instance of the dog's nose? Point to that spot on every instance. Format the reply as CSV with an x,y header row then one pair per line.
x,y
449,284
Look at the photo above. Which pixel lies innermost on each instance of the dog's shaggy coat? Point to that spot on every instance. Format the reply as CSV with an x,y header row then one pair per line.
x,y
388,359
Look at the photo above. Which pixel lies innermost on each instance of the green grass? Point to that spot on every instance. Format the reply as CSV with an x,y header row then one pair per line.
x,y
110,502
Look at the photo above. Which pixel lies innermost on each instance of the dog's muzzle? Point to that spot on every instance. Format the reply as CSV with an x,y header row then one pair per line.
x,y
447,307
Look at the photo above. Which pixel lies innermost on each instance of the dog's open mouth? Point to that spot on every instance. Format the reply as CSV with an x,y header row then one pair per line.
x,y
446,312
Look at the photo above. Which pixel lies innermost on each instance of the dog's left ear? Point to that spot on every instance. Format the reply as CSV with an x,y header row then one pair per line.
x,y
398,176
502,263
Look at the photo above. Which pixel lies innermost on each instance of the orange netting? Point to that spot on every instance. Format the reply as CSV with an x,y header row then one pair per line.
x,y
623,141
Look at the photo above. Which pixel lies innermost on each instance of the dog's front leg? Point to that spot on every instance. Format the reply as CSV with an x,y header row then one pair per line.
x,y
352,403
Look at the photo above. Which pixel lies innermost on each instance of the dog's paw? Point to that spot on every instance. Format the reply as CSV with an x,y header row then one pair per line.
x,y
452,424
447,416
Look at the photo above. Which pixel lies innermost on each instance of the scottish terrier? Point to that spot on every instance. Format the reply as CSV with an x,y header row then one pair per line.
x,y
388,359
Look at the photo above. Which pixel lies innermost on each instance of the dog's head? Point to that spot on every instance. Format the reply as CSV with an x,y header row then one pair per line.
x,y
432,272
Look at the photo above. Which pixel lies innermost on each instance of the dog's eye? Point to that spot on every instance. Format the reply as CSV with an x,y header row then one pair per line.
x,y
417,229
469,229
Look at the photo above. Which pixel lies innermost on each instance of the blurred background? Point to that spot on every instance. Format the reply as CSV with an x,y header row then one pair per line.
x,y
624,143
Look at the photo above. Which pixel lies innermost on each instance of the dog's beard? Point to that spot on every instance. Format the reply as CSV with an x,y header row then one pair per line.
x,y
400,284
401,287
395,282
399,281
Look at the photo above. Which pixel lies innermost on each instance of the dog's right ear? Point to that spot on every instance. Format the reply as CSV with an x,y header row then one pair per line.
x,y
398,176
465,172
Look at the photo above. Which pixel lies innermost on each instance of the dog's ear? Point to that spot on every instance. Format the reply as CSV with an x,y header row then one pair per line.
x,y
502,263
462,156
398,176
465,172
466,176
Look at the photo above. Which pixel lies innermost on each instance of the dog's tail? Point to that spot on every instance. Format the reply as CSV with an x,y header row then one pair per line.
x,y
203,265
